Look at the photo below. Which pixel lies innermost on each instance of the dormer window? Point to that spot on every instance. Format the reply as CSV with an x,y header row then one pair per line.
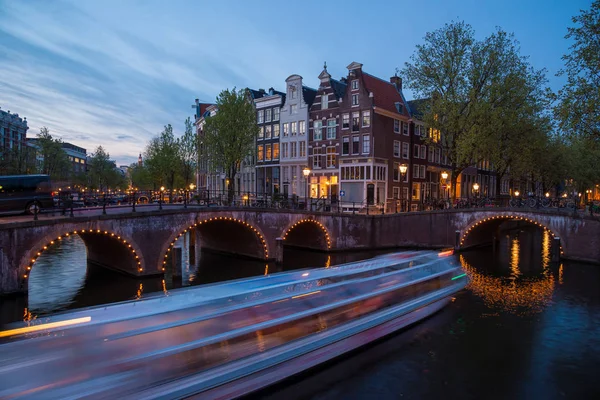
x,y
355,84
292,91
399,107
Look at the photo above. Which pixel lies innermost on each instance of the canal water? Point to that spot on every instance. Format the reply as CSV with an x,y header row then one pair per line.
x,y
524,328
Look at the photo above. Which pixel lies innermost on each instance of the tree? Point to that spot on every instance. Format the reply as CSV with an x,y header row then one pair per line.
x,y
140,177
472,87
229,134
103,172
187,147
162,159
579,100
55,160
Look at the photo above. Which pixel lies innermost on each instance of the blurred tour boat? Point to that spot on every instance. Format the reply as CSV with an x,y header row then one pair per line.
x,y
223,340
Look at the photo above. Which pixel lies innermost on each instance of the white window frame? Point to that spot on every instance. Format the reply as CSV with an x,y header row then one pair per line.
x,y
423,152
355,102
317,130
354,84
366,142
331,131
396,126
406,146
302,127
346,139
367,115
397,146
346,121
324,101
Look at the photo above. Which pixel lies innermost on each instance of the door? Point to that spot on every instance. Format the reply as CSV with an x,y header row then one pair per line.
x,y
370,194
334,193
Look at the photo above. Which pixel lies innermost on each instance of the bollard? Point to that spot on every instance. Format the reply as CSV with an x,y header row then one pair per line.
x,y
133,204
71,215
35,209
64,206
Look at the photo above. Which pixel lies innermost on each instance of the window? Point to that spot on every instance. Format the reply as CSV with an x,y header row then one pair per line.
x,y
416,151
268,132
268,152
396,148
260,152
302,127
284,174
354,99
396,192
317,127
445,157
430,157
399,107
345,121
345,145
293,109
437,155
405,150
331,128
302,149
275,131
275,151
276,114
260,116
324,101
366,120
355,144
284,149
292,91
396,172
423,151
293,130
286,130
268,115
294,149
366,144
405,128
355,121
261,132
416,191
422,170
415,171
405,192
331,157
396,126
316,157
355,84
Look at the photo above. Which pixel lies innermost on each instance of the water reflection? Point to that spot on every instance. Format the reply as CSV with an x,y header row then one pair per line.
x,y
519,279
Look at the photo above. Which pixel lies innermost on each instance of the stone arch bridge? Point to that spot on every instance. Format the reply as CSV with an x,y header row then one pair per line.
x,y
138,243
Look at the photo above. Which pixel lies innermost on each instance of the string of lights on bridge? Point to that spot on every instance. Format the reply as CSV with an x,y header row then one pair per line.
x,y
320,225
497,217
250,226
76,232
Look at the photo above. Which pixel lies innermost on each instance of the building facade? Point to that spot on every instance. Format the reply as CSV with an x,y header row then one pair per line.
x,y
13,131
294,122
268,109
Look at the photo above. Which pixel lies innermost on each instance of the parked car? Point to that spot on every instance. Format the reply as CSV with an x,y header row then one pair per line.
x,y
25,193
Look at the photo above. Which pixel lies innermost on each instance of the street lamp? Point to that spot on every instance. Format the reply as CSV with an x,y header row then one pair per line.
x,y
403,168
547,194
517,193
160,199
444,178
306,173
476,189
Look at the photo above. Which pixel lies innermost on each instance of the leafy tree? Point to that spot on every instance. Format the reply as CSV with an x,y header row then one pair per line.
x,y
187,147
140,177
481,95
229,134
18,161
103,173
162,159
55,161
579,99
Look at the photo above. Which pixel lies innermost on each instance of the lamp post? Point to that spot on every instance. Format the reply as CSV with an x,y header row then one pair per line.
x,y
403,168
444,180
306,173
476,189
160,199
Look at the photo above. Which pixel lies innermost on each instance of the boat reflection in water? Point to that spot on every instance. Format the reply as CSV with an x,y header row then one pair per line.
x,y
224,340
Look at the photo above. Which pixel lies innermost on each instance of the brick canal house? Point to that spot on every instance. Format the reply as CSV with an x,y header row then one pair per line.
x,y
294,136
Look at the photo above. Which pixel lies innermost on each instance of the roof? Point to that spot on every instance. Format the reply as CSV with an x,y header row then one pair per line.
x,y
385,94
417,107
203,107
338,87
308,94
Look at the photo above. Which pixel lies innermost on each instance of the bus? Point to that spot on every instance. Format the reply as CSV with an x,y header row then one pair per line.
x,y
25,193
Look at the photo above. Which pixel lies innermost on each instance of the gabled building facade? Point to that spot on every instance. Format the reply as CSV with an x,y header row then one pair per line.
x,y
294,123
323,140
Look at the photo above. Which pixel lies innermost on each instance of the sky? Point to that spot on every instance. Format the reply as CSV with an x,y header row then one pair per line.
x,y
114,72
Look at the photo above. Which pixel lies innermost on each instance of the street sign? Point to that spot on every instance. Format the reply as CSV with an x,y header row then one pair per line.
x,y
342,193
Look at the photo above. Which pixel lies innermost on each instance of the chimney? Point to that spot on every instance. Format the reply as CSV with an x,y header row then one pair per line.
x,y
261,90
343,79
397,81
271,91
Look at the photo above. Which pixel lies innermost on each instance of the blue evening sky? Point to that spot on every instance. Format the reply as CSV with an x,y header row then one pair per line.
x,y
113,72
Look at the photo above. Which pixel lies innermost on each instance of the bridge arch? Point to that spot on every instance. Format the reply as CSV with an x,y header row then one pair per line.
x,y
122,254
495,221
261,252
314,235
